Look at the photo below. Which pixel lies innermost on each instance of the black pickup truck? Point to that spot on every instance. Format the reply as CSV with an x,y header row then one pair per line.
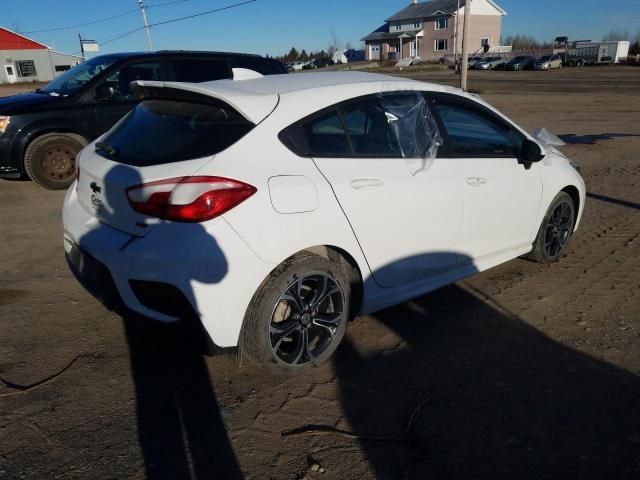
x,y
41,132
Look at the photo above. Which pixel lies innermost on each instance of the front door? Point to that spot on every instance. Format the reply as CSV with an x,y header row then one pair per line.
x,y
10,73
501,197
110,110
403,205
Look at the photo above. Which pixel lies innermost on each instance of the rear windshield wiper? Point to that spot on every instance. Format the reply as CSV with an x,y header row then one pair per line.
x,y
107,148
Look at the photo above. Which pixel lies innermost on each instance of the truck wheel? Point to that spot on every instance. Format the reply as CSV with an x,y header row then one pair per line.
x,y
50,159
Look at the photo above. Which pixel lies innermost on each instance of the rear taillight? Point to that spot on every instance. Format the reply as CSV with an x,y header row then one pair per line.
x,y
188,199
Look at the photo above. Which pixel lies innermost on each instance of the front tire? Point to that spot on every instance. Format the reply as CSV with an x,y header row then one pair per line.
x,y
298,317
555,231
50,160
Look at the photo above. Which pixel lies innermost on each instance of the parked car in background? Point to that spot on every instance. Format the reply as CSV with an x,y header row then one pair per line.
x,y
520,63
490,63
321,62
548,62
473,61
42,132
296,66
248,204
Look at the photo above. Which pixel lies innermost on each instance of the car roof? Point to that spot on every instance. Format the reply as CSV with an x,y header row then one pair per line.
x,y
165,53
255,98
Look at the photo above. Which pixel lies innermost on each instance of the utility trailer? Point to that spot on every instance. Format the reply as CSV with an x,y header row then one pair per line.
x,y
586,52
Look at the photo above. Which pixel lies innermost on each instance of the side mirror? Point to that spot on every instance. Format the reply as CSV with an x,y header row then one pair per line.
x,y
530,152
105,92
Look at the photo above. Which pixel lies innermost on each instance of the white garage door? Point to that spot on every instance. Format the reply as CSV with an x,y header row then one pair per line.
x,y
374,52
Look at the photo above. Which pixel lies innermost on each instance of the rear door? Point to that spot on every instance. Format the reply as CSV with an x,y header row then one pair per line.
x,y
501,197
198,69
405,210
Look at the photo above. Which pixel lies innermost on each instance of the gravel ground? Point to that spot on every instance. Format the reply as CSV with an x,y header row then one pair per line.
x,y
526,371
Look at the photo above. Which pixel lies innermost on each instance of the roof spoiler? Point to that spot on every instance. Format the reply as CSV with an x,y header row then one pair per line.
x,y
245,74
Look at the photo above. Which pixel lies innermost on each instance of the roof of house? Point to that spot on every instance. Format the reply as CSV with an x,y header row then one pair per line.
x,y
14,41
385,35
433,8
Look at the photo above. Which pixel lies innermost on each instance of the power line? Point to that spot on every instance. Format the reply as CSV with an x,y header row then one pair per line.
x,y
131,32
203,13
153,5
106,19
128,12
121,36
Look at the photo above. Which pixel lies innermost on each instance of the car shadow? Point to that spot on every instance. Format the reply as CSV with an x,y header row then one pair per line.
x,y
502,400
181,430
614,201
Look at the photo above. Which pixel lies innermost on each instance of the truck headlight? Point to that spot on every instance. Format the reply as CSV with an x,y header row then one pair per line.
x,y
4,123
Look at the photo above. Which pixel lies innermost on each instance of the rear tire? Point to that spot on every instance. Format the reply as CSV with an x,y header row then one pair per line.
x,y
555,231
50,160
298,317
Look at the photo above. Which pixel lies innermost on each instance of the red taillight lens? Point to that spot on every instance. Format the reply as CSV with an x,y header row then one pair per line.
x,y
188,199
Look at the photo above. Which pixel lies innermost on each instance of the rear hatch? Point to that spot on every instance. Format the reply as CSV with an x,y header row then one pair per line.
x,y
170,134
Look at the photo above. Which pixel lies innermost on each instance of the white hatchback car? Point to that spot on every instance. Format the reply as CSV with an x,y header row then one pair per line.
x,y
277,208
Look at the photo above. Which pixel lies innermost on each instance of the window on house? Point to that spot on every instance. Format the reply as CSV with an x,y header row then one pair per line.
x,y
440,45
484,42
442,23
63,68
26,68
416,25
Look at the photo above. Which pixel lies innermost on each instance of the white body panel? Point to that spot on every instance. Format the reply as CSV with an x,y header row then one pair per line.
x,y
302,203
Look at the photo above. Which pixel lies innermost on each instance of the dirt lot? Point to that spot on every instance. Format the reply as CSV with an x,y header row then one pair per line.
x,y
527,371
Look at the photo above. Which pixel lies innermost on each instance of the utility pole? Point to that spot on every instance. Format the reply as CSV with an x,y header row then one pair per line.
x,y
465,45
81,46
455,39
147,28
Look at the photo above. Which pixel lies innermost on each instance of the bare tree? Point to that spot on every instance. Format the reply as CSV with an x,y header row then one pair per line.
x,y
334,43
616,35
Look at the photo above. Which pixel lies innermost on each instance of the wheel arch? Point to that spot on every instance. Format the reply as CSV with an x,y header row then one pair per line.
x,y
574,193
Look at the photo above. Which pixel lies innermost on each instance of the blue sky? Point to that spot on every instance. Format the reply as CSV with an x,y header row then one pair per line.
x,y
273,26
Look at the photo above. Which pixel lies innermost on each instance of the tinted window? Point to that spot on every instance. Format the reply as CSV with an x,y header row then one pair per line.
x,y
121,80
166,131
474,132
71,81
200,70
260,65
326,135
370,129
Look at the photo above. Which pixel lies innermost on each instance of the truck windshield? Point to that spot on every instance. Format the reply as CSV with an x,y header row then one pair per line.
x,y
73,80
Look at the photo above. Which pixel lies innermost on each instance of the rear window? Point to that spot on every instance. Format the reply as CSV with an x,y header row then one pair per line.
x,y
164,131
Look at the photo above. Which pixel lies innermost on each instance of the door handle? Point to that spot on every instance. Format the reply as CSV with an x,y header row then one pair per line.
x,y
476,181
366,183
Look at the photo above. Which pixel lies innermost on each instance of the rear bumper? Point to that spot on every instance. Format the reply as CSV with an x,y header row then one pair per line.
x,y
209,264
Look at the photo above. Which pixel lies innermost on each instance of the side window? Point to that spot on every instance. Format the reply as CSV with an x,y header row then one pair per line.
x,y
198,70
326,136
473,132
259,65
122,79
370,129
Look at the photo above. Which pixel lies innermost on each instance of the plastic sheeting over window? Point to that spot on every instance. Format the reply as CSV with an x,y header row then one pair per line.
x,y
414,127
547,137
